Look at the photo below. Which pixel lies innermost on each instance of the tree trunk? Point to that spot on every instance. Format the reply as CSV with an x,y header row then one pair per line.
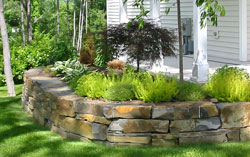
x,y
74,24
6,53
22,23
29,23
68,19
81,18
180,40
86,21
58,19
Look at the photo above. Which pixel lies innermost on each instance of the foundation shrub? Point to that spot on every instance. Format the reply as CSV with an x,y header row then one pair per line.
x,y
155,88
120,92
229,84
189,91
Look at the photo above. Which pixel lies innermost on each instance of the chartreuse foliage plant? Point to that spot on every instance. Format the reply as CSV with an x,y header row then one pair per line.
x,y
189,91
229,84
120,92
155,88
93,85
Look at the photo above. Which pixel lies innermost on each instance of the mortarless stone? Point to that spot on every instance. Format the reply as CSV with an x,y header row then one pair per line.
x,y
235,115
128,111
139,125
204,137
59,130
92,118
88,108
211,123
233,135
177,126
163,142
207,110
86,129
245,134
129,139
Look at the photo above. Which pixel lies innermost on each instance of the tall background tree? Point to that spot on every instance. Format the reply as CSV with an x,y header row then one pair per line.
x,y
6,53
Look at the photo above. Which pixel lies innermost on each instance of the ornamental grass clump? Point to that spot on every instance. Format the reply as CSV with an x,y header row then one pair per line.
x,y
229,84
155,88
189,91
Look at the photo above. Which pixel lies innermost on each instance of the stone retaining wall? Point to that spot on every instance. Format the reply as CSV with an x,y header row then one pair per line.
x,y
54,105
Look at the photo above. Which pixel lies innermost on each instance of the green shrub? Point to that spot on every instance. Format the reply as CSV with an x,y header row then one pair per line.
x,y
155,88
93,85
120,92
189,91
229,84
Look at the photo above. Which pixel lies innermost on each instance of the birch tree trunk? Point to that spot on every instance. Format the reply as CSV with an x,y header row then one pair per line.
x,y
29,23
6,53
22,22
68,19
58,19
180,40
80,27
82,21
74,24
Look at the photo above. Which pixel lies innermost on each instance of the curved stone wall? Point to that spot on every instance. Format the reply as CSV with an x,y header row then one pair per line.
x,y
54,105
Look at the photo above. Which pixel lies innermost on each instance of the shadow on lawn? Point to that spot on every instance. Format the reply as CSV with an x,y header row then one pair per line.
x,y
33,138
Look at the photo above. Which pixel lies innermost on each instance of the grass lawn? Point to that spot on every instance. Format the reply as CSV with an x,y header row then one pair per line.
x,y
19,136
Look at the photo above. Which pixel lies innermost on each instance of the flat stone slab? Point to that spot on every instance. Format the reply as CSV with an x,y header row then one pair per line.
x,y
245,134
139,125
211,123
92,118
128,111
205,137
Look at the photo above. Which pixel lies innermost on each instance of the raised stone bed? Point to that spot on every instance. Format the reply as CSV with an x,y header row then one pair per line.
x,y
54,105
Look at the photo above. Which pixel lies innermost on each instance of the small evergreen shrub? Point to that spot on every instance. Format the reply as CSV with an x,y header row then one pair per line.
x,y
120,92
189,91
73,82
155,88
88,50
93,85
229,84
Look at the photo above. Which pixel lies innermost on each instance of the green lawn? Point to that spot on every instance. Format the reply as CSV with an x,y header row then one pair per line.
x,y
19,136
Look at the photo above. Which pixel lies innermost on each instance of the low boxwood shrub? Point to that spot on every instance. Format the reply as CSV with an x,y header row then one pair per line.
x,y
155,88
120,92
189,91
229,84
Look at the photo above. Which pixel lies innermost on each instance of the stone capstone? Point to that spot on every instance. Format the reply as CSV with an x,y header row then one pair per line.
x,y
184,110
128,112
139,125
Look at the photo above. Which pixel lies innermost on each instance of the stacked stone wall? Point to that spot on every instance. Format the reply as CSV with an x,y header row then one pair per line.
x,y
54,105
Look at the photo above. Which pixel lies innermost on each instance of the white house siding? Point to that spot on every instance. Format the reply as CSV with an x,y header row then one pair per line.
x,y
248,29
227,45
170,20
133,11
113,12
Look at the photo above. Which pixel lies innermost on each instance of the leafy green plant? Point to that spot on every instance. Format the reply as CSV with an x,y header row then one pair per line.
x,y
155,88
189,91
120,92
229,84
69,69
73,82
93,85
